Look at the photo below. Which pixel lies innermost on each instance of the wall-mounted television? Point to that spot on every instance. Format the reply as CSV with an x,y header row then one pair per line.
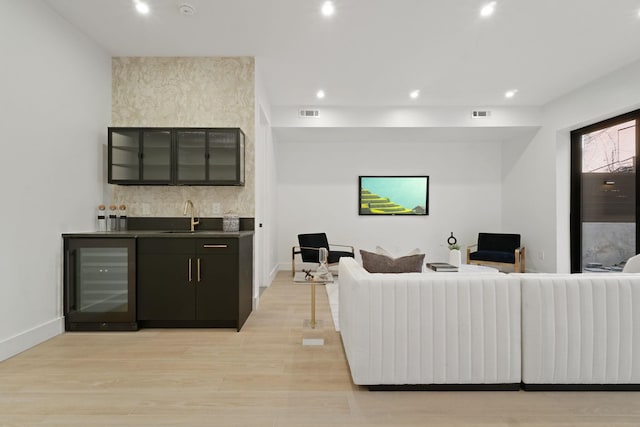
x,y
394,195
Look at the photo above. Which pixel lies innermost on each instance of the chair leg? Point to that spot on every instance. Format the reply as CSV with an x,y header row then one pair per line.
x,y
293,262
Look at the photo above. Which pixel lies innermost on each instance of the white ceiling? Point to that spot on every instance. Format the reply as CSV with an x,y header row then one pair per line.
x,y
374,52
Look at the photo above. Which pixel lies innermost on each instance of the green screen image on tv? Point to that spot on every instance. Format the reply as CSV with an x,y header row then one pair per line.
x,y
394,195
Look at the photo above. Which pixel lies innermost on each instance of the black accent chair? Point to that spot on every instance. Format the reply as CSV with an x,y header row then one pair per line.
x,y
498,250
309,250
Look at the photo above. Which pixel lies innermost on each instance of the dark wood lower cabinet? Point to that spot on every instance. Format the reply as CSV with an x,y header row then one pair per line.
x,y
217,290
194,282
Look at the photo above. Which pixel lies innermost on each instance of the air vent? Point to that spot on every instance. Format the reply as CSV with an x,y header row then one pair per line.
x,y
480,114
186,9
309,113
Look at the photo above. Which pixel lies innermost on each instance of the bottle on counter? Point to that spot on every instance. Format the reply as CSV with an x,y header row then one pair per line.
x,y
112,224
102,218
122,218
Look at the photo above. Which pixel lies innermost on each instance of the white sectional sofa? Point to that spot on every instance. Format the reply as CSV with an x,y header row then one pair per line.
x,y
491,331
430,330
580,331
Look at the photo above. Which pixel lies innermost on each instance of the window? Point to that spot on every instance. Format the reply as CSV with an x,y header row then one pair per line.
x,y
604,191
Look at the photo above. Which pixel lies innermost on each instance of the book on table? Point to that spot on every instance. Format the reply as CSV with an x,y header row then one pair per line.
x,y
441,266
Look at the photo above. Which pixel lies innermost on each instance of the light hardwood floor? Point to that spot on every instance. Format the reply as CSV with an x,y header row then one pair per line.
x,y
261,376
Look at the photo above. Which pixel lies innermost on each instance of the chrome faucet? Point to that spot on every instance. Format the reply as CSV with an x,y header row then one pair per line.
x,y
194,222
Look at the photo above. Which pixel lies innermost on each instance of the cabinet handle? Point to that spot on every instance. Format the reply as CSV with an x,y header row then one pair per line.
x,y
198,268
190,278
214,246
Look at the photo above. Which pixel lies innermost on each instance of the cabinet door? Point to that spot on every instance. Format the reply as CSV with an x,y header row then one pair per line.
x,y
124,155
226,156
156,156
191,156
166,280
140,156
217,287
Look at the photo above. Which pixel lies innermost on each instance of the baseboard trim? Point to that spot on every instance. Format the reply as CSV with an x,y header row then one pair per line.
x,y
444,387
30,338
581,387
273,274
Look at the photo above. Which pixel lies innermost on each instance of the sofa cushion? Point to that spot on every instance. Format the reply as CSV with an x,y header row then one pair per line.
x,y
376,263
495,256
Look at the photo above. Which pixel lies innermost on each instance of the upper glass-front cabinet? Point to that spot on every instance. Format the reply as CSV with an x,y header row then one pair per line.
x,y
176,156
140,156
210,156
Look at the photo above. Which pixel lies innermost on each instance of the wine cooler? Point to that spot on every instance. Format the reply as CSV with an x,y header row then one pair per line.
x,y
99,284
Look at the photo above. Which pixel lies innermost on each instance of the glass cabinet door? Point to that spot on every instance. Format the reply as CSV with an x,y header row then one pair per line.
x,y
156,155
192,150
101,275
224,156
124,153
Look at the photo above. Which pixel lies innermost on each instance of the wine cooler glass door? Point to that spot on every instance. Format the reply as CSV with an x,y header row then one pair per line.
x,y
100,286
102,280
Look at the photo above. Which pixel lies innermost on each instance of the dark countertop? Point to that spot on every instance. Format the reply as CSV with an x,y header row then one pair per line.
x,y
171,227
158,233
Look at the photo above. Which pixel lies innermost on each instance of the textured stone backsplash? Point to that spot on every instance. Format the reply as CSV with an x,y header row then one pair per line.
x,y
186,92
169,201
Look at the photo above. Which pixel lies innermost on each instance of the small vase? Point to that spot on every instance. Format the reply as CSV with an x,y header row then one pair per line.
x,y
455,257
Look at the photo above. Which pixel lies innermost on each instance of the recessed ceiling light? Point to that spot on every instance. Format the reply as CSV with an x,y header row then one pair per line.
x,y
414,94
510,93
142,7
328,8
320,94
488,9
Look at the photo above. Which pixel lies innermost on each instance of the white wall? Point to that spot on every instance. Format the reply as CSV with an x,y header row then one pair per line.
x,y
54,110
265,261
318,191
543,170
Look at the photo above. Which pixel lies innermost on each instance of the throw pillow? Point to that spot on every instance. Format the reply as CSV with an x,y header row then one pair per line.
x,y
376,263
382,251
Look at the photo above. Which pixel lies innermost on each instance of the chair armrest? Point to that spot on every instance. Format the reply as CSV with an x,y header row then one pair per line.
x,y
298,249
475,245
343,246
520,266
